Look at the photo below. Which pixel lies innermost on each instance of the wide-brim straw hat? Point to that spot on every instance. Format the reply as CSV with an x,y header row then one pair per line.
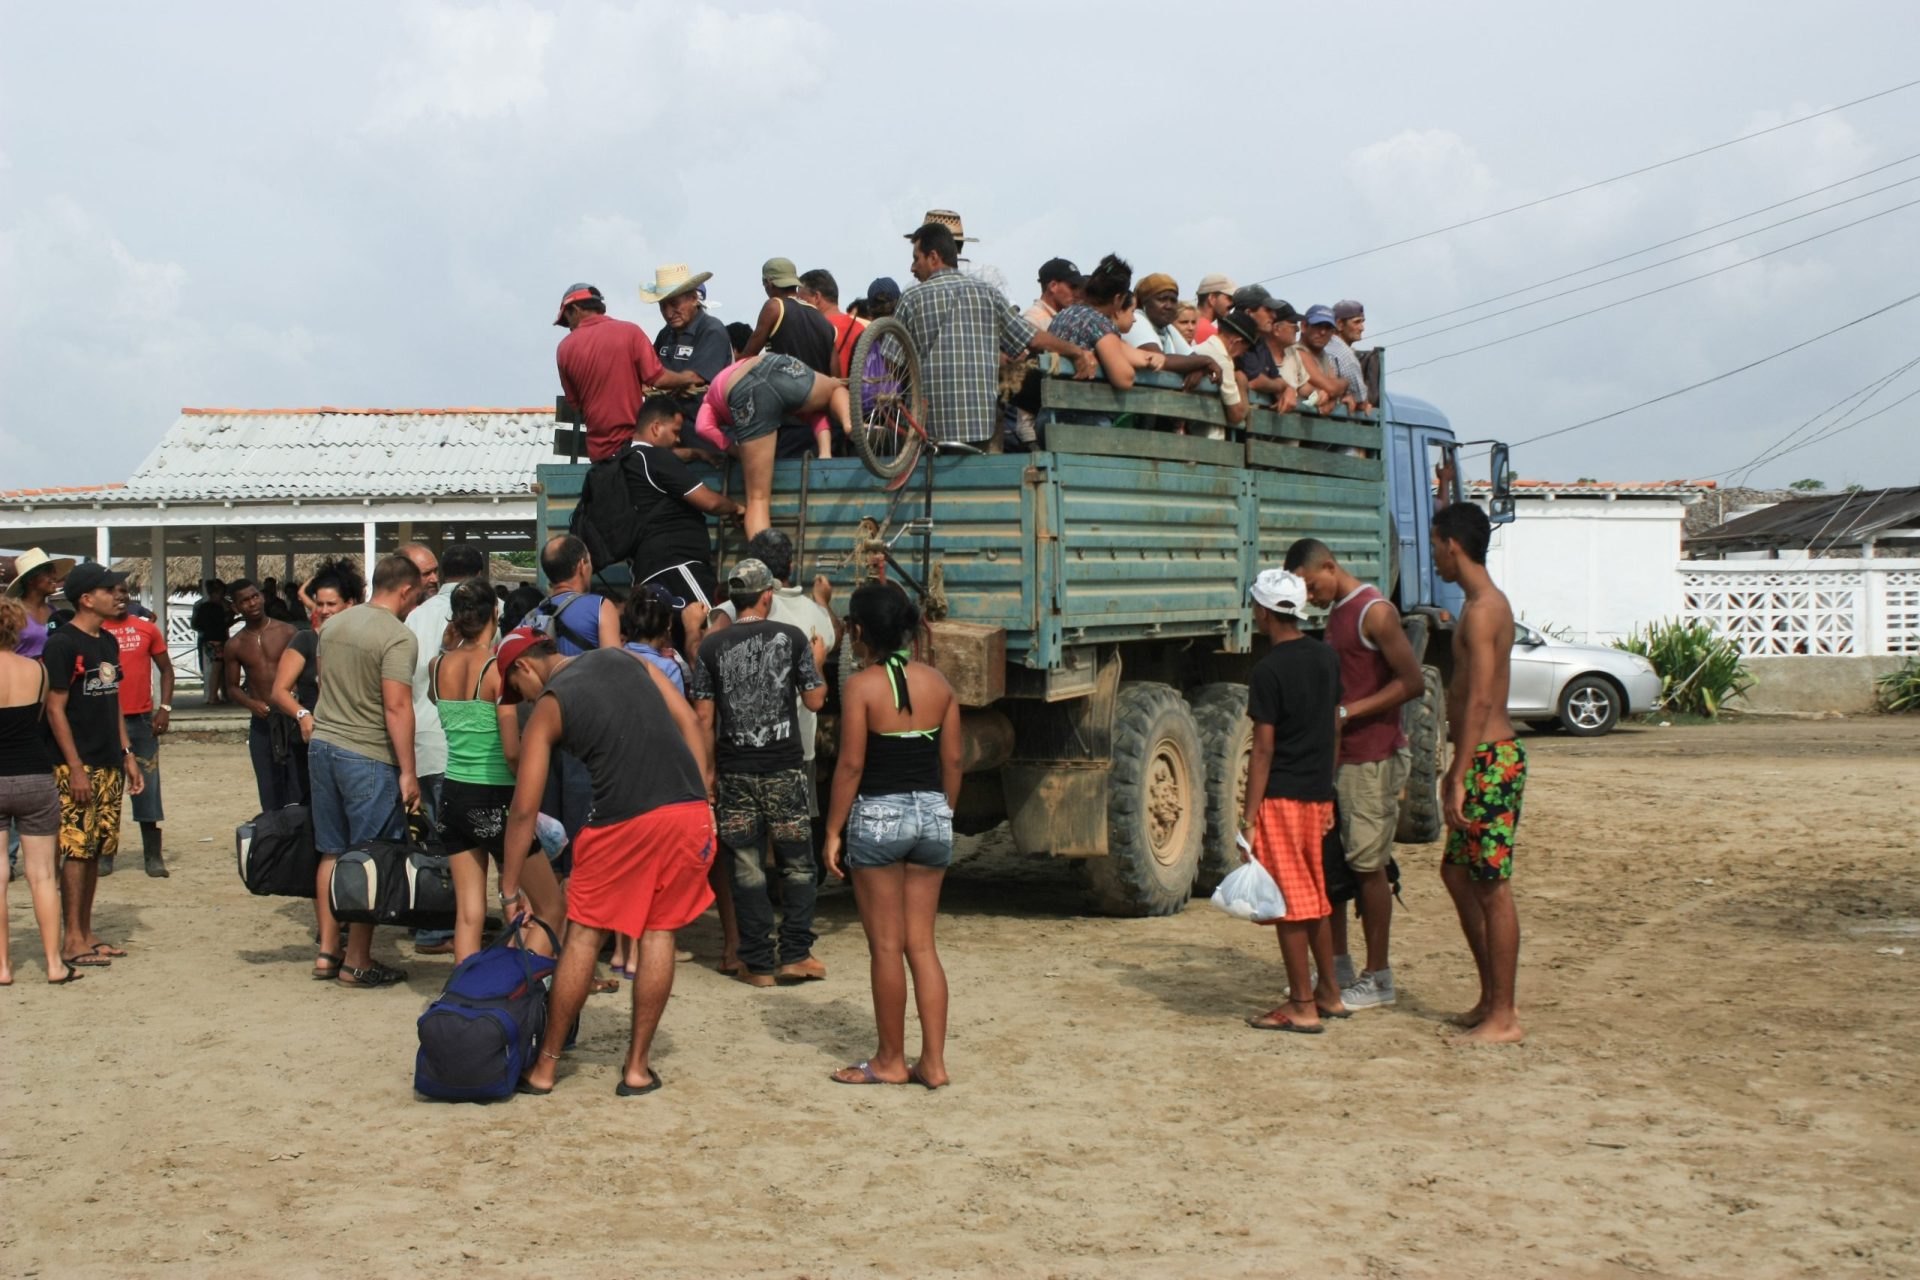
x,y
32,559
948,219
672,280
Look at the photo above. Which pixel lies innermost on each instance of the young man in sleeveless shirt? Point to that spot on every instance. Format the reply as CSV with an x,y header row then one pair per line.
x,y
1378,674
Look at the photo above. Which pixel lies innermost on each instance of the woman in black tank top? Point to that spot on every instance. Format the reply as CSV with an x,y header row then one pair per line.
x,y
890,823
29,800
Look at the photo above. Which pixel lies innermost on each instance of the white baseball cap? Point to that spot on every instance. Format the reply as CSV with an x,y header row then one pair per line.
x,y
1280,591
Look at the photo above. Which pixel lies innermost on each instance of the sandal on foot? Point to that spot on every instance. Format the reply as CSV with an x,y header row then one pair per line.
x,y
107,949
603,986
1333,1013
326,966
1268,1022
388,974
87,960
625,1090
73,975
866,1075
535,1090
368,979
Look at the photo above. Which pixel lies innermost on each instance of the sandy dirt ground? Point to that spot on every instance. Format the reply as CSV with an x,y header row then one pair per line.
x,y
1721,1078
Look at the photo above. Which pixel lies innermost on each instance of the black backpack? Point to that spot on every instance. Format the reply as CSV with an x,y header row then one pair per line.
x,y
389,882
604,518
276,853
479,1037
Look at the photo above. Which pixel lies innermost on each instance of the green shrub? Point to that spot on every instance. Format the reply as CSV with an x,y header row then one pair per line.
x,y
1900,690
1698,669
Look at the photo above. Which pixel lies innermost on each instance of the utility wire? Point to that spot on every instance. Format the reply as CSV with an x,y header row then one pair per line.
x,y
1834,431
1541,284
1574,191
1778,447
1721,377
1621,302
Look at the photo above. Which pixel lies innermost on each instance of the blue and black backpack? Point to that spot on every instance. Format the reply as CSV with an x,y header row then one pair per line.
x,y
479,1036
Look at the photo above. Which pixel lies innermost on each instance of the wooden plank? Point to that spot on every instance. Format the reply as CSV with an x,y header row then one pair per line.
x,y
1101,397
1119,442
1290,457
1357,432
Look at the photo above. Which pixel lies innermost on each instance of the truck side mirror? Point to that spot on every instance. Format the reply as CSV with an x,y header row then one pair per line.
x,y
1500,508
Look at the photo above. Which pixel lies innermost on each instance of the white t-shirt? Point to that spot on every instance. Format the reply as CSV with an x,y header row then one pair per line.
x,y
1216,350
793,606
1168,339
428,622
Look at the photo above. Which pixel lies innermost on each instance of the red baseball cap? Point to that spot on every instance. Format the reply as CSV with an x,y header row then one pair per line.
x,y
516,643
575,293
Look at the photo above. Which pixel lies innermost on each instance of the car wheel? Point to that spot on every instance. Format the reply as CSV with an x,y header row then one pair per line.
x,y
1590,706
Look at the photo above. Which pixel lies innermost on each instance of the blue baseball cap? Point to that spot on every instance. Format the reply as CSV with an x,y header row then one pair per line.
x,y
1319,314
884,287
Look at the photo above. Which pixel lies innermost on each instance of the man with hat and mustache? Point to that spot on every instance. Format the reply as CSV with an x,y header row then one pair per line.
x,y
692,339
605,366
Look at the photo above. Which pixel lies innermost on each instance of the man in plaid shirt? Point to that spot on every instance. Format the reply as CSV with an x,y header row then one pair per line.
x,y
962,327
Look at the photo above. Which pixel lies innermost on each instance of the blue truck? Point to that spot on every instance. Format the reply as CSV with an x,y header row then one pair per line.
x,y
1089,604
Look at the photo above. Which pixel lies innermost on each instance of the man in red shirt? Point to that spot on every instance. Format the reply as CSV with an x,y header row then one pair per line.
x,y
143,648
606,367
1378,674
819,290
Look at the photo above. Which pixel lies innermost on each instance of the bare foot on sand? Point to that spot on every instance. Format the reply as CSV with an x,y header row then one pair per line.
x,y
1471,1018
1494,1031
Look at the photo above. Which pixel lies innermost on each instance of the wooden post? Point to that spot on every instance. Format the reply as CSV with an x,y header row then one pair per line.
x,y
368,552
103,544
209,546
157,576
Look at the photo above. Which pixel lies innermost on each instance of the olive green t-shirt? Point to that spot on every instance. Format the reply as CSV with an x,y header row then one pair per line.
x,y
359,648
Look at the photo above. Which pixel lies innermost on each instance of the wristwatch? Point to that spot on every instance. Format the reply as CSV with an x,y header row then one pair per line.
x,y
1341,712
302,714
166,708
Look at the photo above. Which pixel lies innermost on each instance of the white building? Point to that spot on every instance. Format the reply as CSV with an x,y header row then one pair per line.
x,y
1593,562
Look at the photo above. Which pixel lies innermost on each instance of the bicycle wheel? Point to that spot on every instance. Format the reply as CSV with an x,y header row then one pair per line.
x,y
888,401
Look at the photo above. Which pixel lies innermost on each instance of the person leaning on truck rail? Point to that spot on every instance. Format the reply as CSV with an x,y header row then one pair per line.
x,y
1213,300
1335,391
1349,322
605,366
1237,332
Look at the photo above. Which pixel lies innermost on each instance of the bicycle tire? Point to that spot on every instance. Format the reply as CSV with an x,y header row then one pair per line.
x,y
888,403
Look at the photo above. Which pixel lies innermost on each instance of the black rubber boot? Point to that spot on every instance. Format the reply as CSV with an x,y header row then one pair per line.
x,y
106,864
150,847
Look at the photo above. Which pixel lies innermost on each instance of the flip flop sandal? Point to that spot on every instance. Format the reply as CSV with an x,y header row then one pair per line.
x,y
330,970
524,1087
73,975
625,1090
1332,1013
86,960
866,1076
1284,1024
603,986
107,949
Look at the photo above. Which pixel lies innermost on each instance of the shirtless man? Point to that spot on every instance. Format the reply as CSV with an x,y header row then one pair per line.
x,y
1483,787
255,650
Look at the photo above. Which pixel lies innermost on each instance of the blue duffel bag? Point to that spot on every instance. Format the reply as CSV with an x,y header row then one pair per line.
x,y
479,1036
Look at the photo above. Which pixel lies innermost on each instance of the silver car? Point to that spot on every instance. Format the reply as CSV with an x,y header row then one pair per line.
x,y
1584,688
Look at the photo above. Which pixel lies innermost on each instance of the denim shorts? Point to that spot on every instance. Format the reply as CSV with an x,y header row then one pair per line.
x,y
355,799
766,395
915,827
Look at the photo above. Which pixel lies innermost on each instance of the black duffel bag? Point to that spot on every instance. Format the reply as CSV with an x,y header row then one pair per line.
x,y
276,854
391,882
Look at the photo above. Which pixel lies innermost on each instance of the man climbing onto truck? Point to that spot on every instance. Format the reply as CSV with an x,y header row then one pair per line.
x,y
1484,784
1378,675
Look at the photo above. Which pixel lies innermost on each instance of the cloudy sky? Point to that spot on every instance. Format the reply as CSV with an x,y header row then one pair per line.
x,y
378,204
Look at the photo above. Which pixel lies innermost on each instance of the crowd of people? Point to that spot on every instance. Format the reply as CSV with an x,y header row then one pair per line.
x,y
624,762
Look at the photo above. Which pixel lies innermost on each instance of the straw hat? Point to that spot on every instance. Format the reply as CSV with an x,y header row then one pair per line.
x,y
34,558
672,280
948,219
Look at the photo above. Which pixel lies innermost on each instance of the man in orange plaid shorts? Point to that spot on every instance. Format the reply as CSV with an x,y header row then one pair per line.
x,y
1292,699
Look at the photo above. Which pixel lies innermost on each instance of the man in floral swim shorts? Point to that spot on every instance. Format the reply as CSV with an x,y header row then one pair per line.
x,y
1481,794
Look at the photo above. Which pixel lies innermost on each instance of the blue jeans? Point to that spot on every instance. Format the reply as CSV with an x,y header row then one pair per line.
x,y
278,781
355,799
915,828
146,749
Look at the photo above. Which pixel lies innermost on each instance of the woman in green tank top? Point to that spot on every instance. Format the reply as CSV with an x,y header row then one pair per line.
x,y
464,684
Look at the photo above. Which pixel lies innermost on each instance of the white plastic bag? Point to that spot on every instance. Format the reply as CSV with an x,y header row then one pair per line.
x,y
1249,893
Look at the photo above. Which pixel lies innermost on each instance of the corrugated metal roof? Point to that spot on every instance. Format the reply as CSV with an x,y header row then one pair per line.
x,y
1828,521
67,491
342,453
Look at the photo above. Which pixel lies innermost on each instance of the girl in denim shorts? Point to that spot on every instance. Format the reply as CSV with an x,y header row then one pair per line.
x,y
893,795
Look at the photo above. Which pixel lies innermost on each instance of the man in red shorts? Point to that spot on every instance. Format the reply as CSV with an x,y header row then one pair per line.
x,y
1484,784
1291,699
640,864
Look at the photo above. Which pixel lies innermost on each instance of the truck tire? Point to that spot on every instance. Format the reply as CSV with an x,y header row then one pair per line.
x,y
1226,743
1421,818
1156,809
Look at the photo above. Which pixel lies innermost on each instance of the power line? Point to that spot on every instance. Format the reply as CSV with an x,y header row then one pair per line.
x,y
1721,377
1541,284
1857,422
1574,191
1778,447
1621,302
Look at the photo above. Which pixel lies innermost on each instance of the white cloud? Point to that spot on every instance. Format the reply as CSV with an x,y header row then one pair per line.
x,y
469,63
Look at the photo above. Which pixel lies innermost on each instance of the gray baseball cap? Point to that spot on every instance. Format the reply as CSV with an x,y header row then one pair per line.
x,y
751,575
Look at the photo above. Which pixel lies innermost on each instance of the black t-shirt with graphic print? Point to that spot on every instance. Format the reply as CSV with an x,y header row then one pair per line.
x,y
88,668
752,672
